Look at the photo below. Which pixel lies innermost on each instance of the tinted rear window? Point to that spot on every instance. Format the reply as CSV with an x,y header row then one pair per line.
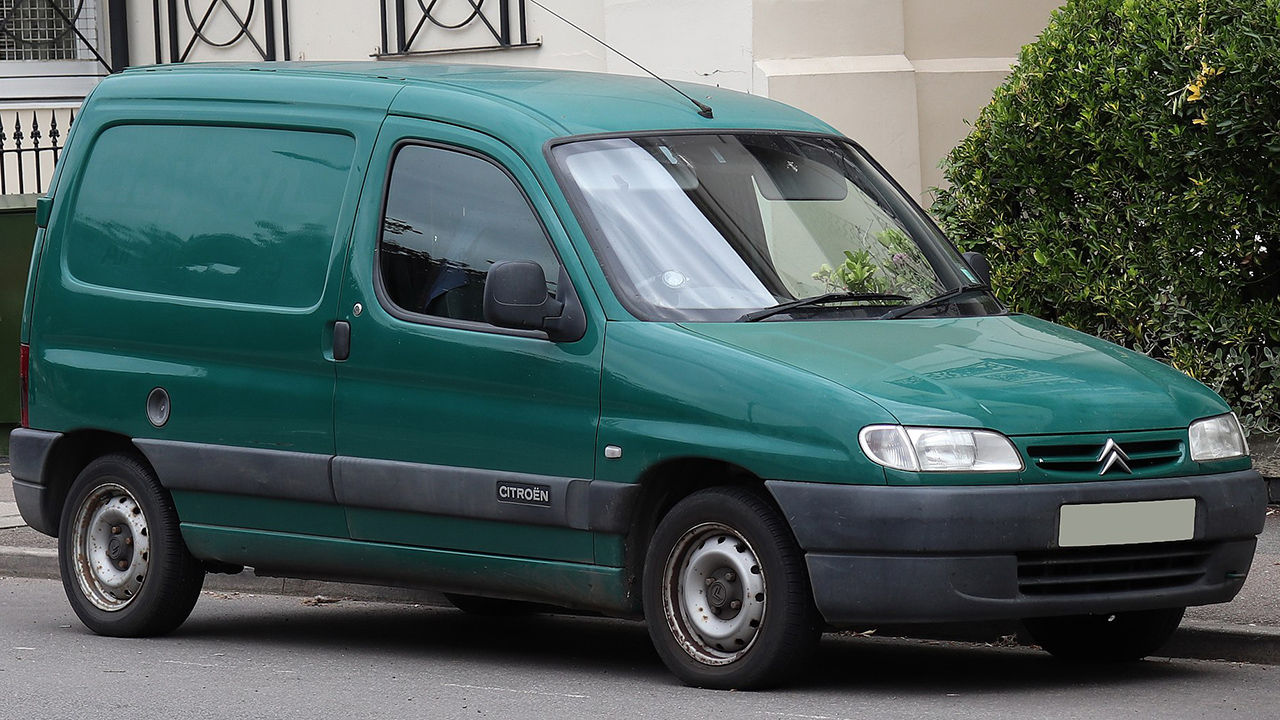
x,y
243,215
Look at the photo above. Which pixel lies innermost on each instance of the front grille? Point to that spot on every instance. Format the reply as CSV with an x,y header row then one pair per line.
x,y
1082,571
1083,457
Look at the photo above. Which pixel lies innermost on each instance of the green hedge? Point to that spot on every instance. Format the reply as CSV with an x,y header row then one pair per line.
x,y
1125,181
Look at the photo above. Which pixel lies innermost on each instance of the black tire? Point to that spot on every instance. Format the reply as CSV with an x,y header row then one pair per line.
x,y
713,548
489,607
1114,637
125,568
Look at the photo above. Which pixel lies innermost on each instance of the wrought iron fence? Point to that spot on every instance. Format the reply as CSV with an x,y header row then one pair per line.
x,y
30,141
188,26
418,27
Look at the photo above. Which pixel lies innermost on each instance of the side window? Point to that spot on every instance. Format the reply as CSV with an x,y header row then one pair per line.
x,y
449,217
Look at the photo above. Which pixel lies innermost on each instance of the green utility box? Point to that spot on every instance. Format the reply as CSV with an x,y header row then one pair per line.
x,y
17,233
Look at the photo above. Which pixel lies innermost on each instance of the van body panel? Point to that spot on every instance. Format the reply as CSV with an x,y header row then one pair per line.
x,y
670,393
529,107
439,393
1008,373
255,512
272,88
70,158
471,535
33,269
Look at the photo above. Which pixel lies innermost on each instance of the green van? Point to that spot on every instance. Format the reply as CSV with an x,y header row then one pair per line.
x,y
548,338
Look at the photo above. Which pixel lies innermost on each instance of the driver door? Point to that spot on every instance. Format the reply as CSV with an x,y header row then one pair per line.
x,y
452,433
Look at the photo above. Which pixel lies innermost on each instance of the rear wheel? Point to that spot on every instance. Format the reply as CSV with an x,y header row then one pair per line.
x,y
726,595
125,568
1113,637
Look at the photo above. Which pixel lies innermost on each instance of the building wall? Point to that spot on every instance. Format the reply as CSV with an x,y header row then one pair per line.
x,y
899,76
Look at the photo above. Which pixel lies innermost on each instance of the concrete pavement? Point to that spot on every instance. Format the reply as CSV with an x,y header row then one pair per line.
x,y
1244,630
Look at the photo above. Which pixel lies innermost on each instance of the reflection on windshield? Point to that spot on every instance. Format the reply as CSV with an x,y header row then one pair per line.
x,y
705,227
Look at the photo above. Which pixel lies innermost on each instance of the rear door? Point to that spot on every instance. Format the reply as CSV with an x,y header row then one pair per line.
x,y
452,433
197,255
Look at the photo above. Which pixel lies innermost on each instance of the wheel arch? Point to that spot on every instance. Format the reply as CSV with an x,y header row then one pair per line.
x,y
69,456
667,483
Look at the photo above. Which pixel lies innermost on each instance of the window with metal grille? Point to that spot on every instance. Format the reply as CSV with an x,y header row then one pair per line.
x,y
43,29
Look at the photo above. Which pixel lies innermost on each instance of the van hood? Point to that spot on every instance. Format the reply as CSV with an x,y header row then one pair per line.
x,y
1011,373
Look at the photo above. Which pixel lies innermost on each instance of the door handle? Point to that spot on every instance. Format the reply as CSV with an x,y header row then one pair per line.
x,y
341,340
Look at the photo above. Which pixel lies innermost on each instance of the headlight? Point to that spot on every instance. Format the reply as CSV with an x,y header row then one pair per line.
x,y
1217,438
920,449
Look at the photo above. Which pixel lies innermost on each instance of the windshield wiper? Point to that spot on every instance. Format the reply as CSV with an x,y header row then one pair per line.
x,y
817,300
945,297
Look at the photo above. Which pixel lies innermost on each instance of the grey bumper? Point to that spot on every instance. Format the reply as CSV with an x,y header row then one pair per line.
x,y
28,454
879,554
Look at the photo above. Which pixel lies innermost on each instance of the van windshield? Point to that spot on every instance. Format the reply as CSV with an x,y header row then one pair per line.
x,y
716,228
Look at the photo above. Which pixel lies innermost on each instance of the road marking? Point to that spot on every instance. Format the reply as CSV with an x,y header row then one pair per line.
x,y
513,690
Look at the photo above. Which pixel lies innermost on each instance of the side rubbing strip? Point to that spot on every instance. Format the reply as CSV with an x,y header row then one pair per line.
x,y
574,503
240,471
464,492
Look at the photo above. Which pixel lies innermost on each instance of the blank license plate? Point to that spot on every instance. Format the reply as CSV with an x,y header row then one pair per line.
x,y
1127,523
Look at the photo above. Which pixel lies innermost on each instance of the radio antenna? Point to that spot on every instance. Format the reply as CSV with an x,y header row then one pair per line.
x,y
703,109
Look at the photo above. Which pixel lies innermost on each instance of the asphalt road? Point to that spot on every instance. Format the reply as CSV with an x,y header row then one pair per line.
x,y
278,657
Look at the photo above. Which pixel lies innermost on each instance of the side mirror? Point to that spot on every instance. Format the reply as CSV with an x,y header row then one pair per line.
x,y
515,296
980,267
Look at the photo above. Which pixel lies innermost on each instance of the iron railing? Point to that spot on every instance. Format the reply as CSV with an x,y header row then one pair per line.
x,y
29,147
186,23
414,27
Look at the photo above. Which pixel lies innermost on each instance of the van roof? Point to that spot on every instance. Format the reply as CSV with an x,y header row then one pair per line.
x,y
486,97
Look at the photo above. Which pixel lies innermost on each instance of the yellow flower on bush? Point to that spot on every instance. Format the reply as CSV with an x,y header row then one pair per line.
x,y
1195,88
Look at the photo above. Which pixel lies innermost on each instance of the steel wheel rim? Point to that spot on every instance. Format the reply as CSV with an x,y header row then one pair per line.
x,y
710,568
111,546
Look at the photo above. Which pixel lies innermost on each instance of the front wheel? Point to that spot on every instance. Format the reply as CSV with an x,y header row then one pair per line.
x,y
1112,637
726,595
125,568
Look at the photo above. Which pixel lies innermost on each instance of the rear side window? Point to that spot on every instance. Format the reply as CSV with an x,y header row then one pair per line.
x,y
449,217
240,215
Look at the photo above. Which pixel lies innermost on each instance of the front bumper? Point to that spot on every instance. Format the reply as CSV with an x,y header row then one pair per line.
x,y
881,554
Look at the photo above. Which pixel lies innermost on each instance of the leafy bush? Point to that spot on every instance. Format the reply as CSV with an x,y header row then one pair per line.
x,y
894,264
1125,181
